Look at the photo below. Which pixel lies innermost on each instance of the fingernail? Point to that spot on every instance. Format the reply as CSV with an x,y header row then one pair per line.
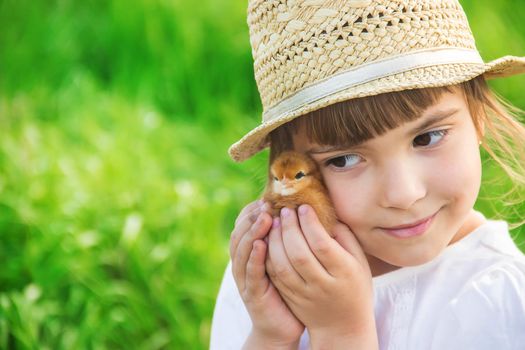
x,y
265,207
276,222
303,209
285,212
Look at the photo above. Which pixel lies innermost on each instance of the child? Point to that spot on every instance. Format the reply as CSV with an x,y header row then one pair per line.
x,y
390,99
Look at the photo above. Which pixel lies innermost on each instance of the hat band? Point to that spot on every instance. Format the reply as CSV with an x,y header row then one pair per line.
x,y
371,71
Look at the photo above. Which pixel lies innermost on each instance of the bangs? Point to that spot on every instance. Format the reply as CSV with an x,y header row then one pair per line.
x,y
351,122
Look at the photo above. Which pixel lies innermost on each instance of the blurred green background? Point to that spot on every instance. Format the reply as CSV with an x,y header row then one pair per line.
x,y
117,194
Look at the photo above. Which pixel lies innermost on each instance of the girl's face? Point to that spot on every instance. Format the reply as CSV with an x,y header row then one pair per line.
x,y
426,171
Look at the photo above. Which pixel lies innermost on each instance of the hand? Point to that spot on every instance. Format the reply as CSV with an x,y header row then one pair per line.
x,y
326,282
273,322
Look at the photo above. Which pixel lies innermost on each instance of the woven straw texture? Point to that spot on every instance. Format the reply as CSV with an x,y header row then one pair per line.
x,y
297,44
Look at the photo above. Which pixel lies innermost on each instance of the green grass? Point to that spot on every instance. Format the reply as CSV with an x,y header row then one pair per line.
x,y
117,195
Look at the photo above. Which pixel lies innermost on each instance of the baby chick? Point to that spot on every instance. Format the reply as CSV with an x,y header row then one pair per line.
x,y
295,179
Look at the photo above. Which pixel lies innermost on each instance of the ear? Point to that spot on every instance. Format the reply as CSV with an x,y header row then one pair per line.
x,y
481,132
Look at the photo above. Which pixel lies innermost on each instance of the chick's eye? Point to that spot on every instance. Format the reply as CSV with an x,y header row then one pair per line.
x,y
346,161
430,138
299,175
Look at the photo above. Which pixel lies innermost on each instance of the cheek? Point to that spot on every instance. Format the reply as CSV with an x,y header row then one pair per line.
x,y
351,200
456,177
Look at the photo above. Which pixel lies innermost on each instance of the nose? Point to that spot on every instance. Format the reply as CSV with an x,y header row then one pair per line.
x,y
402,185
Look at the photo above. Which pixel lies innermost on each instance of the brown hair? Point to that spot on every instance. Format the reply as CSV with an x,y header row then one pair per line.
x,y
354,121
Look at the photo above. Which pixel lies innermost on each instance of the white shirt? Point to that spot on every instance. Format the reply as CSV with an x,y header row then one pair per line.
x,y
472,296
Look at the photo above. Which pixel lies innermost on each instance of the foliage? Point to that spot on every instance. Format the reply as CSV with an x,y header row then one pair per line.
x,y
117,195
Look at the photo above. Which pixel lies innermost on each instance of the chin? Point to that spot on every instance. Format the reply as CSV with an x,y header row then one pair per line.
x,y
414,258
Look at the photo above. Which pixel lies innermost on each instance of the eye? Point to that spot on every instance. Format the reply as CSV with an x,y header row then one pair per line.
x,y
275,178
430,138
299,175
346,161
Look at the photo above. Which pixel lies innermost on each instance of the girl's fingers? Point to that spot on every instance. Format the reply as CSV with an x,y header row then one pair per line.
x,y
248,209
349,242
240,258
298,250
325,248
281,269
244,222
256,280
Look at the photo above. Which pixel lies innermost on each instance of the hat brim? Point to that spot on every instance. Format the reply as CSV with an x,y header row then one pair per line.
x,y
432,76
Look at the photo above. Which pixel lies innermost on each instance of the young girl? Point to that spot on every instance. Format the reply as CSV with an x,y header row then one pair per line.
x,y
390,100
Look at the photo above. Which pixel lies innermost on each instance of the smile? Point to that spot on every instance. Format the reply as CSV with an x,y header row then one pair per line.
x,y
410,230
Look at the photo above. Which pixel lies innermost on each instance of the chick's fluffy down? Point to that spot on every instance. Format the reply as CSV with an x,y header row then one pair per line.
x,y
295,179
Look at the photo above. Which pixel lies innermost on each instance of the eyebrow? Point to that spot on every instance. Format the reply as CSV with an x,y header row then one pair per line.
x,y
433,118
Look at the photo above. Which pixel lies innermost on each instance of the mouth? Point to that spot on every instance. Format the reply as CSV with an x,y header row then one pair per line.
x,y
413,229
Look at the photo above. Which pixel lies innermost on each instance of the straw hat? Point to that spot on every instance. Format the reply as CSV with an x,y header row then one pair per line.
x,y
312,53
